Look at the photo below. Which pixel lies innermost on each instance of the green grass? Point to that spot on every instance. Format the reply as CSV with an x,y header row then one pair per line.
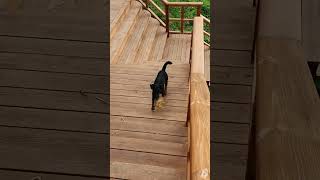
x,y
190,12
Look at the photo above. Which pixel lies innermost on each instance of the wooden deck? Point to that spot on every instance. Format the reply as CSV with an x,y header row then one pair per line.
x,y
49,52
231,85
146,144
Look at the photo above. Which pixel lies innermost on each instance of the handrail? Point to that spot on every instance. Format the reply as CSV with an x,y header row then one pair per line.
x,y
199,118
165,22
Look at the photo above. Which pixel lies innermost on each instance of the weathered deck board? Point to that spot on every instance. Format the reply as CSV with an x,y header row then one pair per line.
x,y
47,63
67,152
63,47
14,175
230,112
234,24
229,161
231,93
53,47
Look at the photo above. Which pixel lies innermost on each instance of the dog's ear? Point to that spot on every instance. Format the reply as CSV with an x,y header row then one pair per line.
x,y
151,86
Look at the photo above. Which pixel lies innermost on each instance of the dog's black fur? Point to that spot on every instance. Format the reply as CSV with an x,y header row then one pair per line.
x,y
160,85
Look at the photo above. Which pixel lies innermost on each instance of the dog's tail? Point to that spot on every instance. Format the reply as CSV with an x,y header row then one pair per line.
x,y
165,65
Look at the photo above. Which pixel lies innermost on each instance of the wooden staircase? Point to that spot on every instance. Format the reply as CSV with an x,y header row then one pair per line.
x,y
138,38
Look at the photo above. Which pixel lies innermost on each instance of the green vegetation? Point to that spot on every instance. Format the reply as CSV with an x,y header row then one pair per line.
x,y
190,12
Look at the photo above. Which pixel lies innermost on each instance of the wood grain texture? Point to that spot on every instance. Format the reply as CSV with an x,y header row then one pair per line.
x,y
230,112
47,63
231,93
234,24
231,58
228,161
287,136
68,152
230,133
14,175
232,75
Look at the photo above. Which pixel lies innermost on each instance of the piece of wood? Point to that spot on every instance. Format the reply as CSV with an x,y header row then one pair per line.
x,y
80,153
61,64
141,110
287,136
230,133
230,58
231,93
200,127
233,25
53,47
199,116
132,165
158,45
230,112
54,119
197,63
14,175
54,100
232,75
147,125
53,81
228,161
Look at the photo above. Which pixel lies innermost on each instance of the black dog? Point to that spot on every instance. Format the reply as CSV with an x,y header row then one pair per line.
x,y
160,85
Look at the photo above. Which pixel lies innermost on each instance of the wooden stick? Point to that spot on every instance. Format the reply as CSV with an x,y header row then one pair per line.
x,y
167,19
182,18
199,108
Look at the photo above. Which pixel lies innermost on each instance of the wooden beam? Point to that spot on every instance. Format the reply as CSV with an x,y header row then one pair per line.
x,y
199,108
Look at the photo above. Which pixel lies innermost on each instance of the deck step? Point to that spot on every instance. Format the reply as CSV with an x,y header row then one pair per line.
x,y
158,45
134,41
177,49
147,41
117,14
120,38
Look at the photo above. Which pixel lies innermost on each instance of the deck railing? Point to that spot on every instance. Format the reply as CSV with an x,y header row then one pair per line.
x,y
199,109
165,13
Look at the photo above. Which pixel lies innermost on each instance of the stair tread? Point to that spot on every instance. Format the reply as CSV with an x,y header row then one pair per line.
x,y
147,41
119,40
132,45
177,48
158,45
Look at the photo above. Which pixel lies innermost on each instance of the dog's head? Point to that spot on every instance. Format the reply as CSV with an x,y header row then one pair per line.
x,y
155,95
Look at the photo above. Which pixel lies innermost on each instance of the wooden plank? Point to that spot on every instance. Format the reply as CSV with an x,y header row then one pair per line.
x,y
147,101
52,100
158,45
287,112
53,119
53,28
227,158
230,112
54,47
234,25
231,93
137,93
230,58
146,88
232,75
82,153
48,63
141,110
148,125
14,175
230,133
148,146
131,165
53,81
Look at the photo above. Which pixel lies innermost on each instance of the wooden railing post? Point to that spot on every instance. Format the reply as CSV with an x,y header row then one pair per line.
x,y
147,2
167,19
182,19
198,10
199,108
